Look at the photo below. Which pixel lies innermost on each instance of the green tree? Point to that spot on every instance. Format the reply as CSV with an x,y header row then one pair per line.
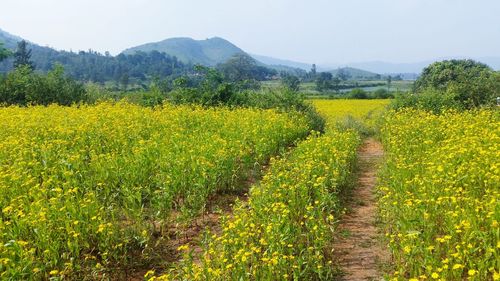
x,y
291,82
22,56
313,71
324,81
467,82
23,86
242,67
358,93
336,84
124,81
343,74
4,53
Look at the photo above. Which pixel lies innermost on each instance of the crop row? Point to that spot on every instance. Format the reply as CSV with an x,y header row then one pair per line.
x,y
284,230
82,186
440,194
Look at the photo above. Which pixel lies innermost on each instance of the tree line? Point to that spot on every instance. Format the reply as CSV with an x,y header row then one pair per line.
x,y
60,76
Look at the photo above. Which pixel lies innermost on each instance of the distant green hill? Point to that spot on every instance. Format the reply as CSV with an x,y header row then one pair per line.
x,y
208,52
354,73
9,41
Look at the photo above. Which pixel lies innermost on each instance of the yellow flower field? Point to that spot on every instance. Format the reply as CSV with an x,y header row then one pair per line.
x,y
355,108
440,194
284,230
361,115
82,186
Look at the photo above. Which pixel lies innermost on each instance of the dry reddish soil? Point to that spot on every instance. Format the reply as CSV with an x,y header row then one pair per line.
x,y
358,249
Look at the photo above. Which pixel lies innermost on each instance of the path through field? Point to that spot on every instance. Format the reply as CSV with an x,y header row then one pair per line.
x,y
359,252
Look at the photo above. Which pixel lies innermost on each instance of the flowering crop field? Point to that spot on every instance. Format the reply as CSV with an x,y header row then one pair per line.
x,y
285,229
355,108
81,186
363,113
440,194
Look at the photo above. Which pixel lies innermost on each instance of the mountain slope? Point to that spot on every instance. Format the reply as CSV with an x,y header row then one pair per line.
x,y
207,52
281,63
9,40
354,73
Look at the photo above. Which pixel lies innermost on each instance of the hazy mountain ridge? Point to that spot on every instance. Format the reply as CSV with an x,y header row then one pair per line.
x,y
209,52
9,40
354,72
281,62
217,50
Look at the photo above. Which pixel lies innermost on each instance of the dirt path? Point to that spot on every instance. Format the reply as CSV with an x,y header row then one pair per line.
x,y
359,252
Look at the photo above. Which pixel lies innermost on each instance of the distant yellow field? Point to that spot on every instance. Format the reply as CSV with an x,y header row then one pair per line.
x,y
70,177
356,108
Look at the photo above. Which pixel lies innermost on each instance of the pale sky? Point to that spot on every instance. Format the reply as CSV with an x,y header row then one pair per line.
x,y
319,31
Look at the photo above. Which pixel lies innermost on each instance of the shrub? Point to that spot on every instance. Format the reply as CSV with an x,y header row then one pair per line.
x,y
463,84
358,94
22,86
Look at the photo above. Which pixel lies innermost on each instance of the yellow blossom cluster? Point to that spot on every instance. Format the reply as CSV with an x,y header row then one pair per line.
x,y
284,230
439,196
81,185
340,108
364,112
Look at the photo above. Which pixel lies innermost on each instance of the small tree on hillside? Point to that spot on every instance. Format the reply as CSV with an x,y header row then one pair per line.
x,y
343,74
4,53
313,71
23,56
324,81
291,82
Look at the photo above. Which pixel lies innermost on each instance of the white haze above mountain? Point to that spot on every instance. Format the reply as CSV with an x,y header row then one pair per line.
x,y
324,32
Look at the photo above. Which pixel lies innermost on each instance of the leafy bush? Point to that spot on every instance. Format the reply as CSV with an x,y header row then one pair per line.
x,y
381,94
22,86
212,89
459,84
431,100
291,82
358,94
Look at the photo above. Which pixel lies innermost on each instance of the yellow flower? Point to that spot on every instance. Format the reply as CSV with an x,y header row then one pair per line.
x,y
472,272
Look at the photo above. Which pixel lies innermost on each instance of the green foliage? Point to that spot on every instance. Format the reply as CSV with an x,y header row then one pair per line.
x,y
358,94
456,83
94,67
291,82
382,94
432,100
242,67
4,53
324,81
25,87
211,90
22,56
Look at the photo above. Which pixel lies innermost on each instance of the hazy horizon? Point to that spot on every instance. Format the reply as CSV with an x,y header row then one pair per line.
x,y
321,31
